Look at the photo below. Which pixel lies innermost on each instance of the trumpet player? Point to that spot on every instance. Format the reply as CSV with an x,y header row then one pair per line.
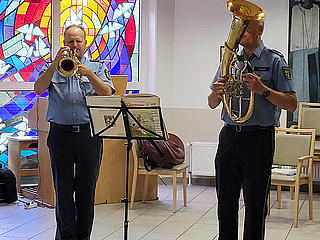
x,y
245,152
75,155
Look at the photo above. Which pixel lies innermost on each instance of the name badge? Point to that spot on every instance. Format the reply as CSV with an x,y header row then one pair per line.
x,y
261,68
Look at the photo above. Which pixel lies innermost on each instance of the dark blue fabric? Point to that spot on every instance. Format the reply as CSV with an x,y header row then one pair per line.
x,y
75,162
243,160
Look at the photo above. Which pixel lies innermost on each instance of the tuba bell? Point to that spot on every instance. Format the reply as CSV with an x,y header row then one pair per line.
x,y
244,12
68,65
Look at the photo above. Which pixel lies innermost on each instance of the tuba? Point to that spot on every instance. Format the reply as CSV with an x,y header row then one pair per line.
x,y
68,65
244,13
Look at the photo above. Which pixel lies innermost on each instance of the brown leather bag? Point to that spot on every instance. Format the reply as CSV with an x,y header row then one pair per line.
x,y
162,153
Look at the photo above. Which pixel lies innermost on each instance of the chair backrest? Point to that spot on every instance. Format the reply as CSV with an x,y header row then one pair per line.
x,y
291,144
309,115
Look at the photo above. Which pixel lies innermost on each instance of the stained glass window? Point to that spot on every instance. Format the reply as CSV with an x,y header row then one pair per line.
x,y
24,47
112,28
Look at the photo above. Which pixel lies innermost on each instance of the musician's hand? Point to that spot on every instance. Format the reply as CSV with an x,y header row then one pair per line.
x,y
253,82
83,69
63,52
218,88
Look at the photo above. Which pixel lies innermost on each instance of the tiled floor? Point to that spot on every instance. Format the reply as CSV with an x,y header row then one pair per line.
x,y
155,220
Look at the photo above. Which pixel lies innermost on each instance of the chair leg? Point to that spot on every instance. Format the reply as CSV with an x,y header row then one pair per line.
x,y
292,192
279,195
134,187
145,188
184,176
296,205
310,200
174,192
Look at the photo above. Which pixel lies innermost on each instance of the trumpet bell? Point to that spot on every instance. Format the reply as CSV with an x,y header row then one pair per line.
x,y
67,66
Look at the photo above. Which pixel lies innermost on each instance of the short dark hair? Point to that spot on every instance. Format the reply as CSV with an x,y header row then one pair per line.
x,y
76,26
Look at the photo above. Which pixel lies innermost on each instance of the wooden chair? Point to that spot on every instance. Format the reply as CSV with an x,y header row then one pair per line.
x,y
294,149
309,115
139,168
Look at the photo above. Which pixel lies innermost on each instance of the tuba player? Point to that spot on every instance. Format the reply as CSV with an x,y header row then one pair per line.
x,y
245,152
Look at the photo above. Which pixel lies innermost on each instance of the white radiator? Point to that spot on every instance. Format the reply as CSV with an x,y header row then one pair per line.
x,y
201,157
316,174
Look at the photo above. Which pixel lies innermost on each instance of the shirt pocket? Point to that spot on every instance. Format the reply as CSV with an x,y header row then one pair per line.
x,y
265,75
87,86
58,79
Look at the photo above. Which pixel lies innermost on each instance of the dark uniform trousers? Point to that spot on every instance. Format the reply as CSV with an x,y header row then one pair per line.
x,y
243,160
75,161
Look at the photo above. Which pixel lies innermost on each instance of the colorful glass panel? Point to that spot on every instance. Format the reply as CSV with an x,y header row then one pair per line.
x,y
24,48
111,28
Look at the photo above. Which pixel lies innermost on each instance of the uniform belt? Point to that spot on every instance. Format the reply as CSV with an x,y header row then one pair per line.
x,y
71,128
251,128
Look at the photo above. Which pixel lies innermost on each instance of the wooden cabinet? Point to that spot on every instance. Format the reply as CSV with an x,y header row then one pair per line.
x,y
15,146
112,177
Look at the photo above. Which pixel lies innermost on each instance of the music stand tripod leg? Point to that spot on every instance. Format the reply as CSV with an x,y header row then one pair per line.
x,y
129,145
125,200
96,104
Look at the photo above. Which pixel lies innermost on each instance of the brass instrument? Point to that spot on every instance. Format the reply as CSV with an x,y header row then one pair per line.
x,y
68,66
244,13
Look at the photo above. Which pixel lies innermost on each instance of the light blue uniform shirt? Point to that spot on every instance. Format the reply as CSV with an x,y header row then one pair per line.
x,y
271,67
66,102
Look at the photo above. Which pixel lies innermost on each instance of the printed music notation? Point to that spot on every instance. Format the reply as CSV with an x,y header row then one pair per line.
x,y
144,115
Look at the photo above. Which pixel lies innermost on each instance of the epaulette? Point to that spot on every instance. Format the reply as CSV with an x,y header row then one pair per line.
x,y
96,60
277,52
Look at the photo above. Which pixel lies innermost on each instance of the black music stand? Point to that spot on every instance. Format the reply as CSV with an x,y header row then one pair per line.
x,y
104,119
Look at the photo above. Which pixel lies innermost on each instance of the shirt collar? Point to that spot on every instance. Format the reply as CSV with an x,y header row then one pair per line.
x,y
257,51
83,59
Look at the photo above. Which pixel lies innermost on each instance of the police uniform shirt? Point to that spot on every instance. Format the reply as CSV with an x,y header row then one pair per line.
x,y
274,72
66,103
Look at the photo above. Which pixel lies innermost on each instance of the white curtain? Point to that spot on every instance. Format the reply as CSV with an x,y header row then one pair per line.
x,y
304,28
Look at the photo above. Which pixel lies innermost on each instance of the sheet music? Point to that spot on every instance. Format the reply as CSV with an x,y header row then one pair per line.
x,y
148,118
105,113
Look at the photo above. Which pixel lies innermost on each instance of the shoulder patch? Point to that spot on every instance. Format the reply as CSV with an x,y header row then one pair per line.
x,y
107,73
286,72
277,52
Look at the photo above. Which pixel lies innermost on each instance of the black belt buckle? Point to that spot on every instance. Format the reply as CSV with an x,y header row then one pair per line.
x,y
75,129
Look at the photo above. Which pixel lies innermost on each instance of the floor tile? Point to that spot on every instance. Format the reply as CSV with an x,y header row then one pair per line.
x,y
155,220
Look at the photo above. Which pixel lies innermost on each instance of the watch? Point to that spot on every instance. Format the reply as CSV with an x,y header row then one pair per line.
x,y
266,93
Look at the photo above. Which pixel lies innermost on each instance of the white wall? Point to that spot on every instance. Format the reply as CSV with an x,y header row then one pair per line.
x,y
189,34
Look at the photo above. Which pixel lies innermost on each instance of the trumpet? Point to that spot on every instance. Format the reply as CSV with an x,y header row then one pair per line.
x,y
68,66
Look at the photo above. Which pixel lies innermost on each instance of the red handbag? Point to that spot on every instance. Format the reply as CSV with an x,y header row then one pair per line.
x,y
163,153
